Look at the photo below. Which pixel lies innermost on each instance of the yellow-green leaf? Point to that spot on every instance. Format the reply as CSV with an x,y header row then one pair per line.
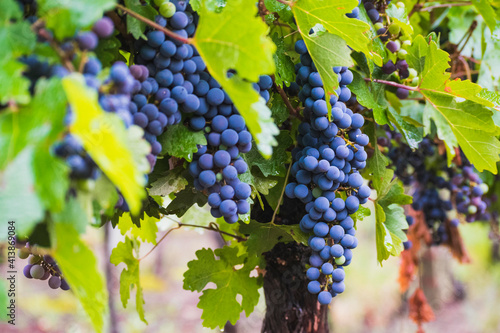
x,y
236,39
108,142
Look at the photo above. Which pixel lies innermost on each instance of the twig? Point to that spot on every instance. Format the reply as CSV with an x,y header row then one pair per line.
x,y
282,192
154,24
158,243
445,5
472,27
118,22
390,83
46,35
212,226
284,97
288,3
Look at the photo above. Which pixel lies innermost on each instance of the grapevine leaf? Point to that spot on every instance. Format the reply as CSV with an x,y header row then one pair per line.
x,y
41,119
281,9
399,17
277,165
146,232
332,16
264,236
377,44
461,116
9,9
108,51
488,13
134,26
278,109
389,215
65,17
118,152
17,192
184,200
285,69
370,98
130,276
171,182
52,178
181,142
220,305
235,39
72,214
79,267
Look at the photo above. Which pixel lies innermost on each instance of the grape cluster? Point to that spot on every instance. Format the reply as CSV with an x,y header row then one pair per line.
x,y
439,188
217,165
395,41
114,96
326,168
42,267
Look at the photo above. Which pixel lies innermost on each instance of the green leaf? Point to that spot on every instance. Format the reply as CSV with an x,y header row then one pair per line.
x,y
108,51
18,199
181,142
79,267
275,166
9,9
236,40
64,17
134,26
281,9
52,178
171,182
488,13
147,230
455,107
73,215
278,108
14,86
130,276
389,215
285,69
370,98
119,152
399,17
41,120
264,236
184,200
220,305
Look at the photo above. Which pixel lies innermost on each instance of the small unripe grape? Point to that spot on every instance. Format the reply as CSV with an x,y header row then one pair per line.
x,y
316,192
23,253
378,25
415,81
340,260
406,44
167,9
484,187
160,2
413,73
402,54
400,4
472,209
34,259
394,29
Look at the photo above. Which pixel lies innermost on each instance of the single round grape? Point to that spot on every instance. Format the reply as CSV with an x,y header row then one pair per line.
x,y
347,241
337,233
338,287
352,203
221,158
229,137
300,47
336,250
23,253
228,208
324,297
26,271
243,206
312,273
87,40
37,272
207,178
373,14
64,285
54,282
340,260
241,166
321,229
167,9
215,96
327,268
104,27
317,243
314,287
402,93
338,204
242,191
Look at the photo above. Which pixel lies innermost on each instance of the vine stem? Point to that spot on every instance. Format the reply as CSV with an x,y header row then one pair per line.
x,y
212,226
42,32
288,3
282,192
445,5
390,83
284,97
154,24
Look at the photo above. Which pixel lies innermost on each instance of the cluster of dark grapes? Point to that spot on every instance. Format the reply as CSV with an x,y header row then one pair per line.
x,y
179,87
395,41
326,168
438,187
42,267
217,165
114,96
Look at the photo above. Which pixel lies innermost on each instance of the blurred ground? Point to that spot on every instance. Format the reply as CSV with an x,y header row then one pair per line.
x,y
371,303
